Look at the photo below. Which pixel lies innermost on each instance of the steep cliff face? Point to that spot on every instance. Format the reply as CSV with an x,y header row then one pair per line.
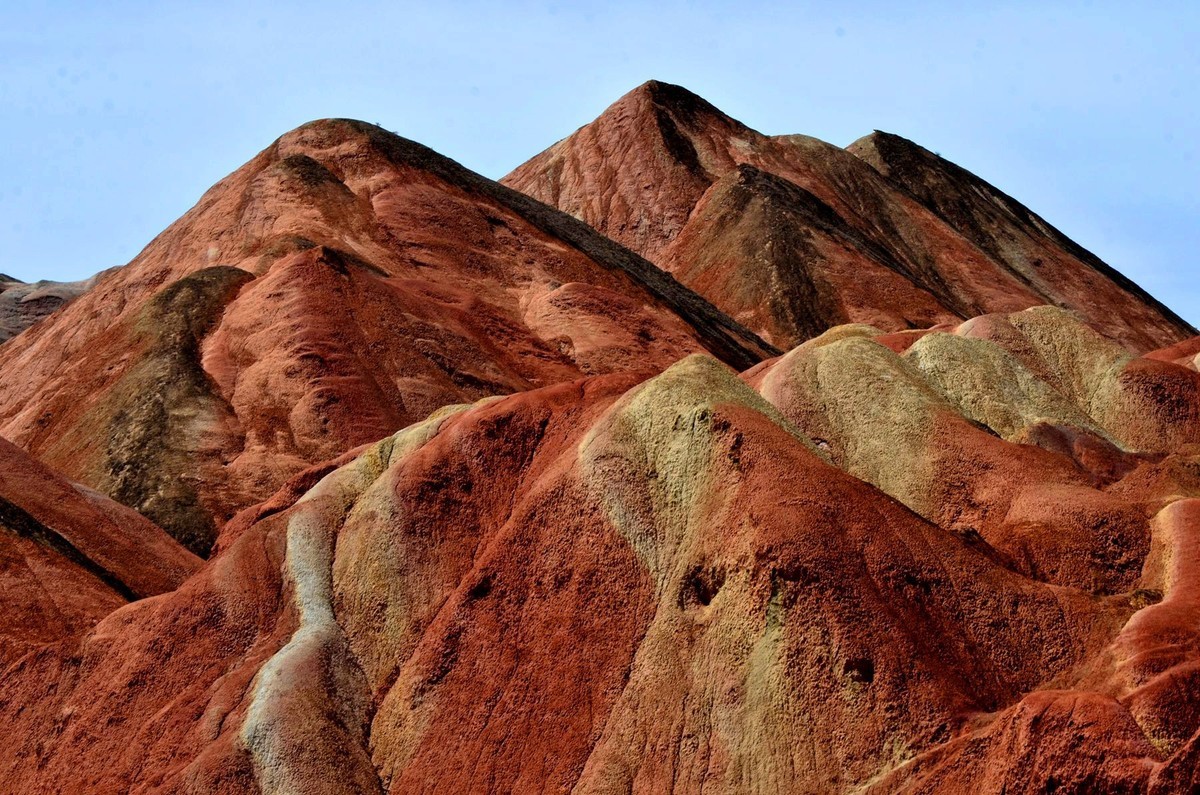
x,y
344,283
791,235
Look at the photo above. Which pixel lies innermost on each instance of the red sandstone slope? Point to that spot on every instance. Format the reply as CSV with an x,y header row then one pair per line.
x,y
669,587
342,284
791,235
69,556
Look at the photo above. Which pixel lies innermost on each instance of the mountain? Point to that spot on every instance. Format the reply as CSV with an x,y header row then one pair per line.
x,y
490,503
841,572
22,305
342,284
791,235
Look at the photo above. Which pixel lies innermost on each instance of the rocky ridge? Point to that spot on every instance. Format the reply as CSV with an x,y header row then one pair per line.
x,y
342,284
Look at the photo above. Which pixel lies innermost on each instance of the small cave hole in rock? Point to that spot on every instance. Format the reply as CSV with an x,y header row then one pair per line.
x,y
860,669
703,585
481,588
915,581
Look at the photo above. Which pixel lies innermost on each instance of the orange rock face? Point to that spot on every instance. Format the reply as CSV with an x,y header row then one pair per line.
x,y
492,505
791,235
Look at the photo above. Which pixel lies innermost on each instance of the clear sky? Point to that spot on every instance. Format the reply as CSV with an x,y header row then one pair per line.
x,y
118,115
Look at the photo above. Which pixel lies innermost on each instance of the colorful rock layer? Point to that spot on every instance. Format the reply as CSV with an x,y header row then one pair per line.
x,y
342,284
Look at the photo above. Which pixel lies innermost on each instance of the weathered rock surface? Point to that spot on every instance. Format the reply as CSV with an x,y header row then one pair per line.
x,y
344,283
791,235
676,585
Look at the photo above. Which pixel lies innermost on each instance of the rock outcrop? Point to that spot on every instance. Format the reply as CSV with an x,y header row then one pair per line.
x,y
668,586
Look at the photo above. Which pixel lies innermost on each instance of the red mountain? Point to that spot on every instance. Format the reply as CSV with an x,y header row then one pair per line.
x,y
494,505
342,284
791,235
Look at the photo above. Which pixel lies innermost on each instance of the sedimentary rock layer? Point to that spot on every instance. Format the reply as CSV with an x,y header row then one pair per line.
x,y
492,504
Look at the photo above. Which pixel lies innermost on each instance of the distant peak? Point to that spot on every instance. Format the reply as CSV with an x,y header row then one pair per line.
x,y
673,96
887,151
884,141
304,143
4,277
884,135
679,102
337,130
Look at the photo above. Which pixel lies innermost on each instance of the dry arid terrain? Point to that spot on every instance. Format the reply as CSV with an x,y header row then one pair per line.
x,y
684,459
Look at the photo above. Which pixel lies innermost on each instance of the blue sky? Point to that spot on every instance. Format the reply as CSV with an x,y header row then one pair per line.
x,y
117,116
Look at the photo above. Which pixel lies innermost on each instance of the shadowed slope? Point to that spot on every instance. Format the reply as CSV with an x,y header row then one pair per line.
x,y
1010,233
750,241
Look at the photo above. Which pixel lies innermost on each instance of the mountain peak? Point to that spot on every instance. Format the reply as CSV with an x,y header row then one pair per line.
x,y
1014,235
674,106
675,98
886,151
922,227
